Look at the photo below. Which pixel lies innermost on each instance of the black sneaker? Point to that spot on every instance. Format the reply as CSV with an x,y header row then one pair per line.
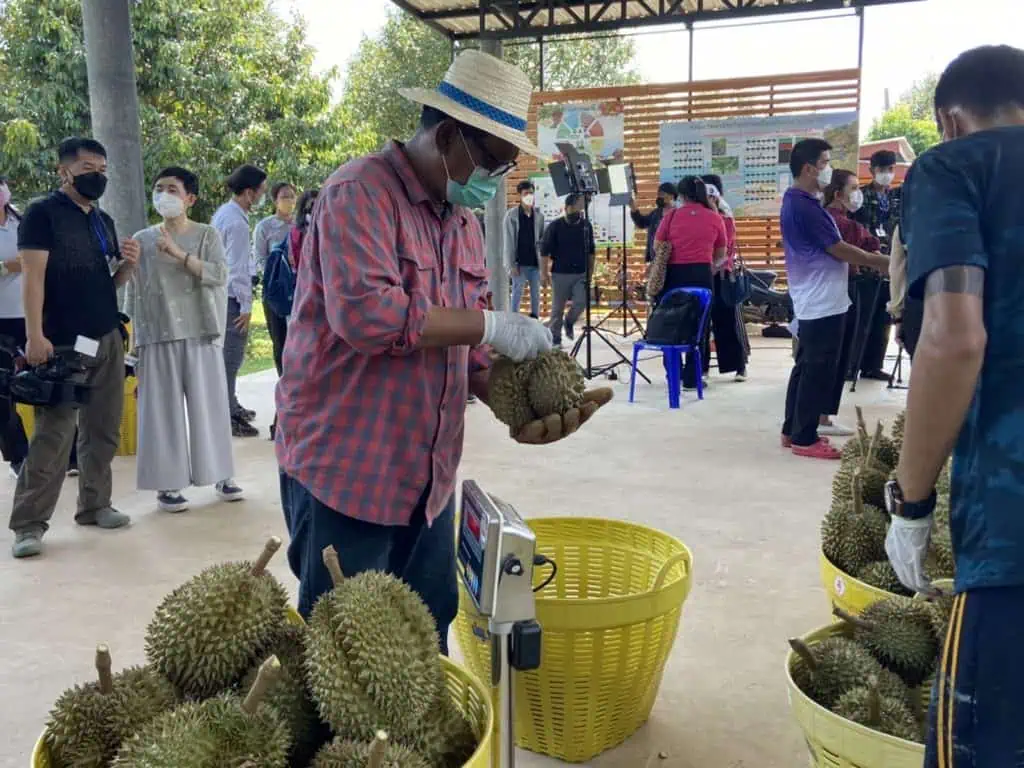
x,y
227,490
243,414
877,376
240,428
171,501
570,332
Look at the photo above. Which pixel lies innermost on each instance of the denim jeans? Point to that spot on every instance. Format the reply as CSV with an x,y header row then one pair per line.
x,y
422,556
526,275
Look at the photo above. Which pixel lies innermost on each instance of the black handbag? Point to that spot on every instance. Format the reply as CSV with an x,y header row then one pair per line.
x,y
734,287
675,320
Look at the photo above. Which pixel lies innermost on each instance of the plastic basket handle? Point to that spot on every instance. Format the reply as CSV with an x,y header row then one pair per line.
x,y
659,581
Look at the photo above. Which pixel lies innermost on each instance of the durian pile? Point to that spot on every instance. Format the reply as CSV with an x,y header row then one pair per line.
x,y
552,383
854,528
874,674
230,683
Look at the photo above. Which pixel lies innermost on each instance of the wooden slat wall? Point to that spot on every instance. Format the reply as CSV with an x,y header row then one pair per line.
x,y
646,107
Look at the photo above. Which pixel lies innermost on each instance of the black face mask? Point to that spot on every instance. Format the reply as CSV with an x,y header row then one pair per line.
x,y
90,185
660,202
573,217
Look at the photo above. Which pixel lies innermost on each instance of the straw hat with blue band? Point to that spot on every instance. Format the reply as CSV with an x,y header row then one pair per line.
x,y
486,93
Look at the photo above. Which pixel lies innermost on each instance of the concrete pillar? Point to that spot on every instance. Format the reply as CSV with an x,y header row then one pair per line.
x,y
114,103
494,216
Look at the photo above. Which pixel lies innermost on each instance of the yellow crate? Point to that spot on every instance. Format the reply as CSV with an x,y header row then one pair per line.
x,y
834,742
609,621
468,694
128,444
846,592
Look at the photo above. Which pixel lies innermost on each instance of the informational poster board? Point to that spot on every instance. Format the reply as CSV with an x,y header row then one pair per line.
x,y
597,130
752,154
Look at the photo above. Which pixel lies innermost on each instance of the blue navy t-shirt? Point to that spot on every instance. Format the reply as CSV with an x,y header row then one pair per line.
x,y
962,205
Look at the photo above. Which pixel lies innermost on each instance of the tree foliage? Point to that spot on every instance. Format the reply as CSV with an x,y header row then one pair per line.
x,y
220,84
913,116
408,54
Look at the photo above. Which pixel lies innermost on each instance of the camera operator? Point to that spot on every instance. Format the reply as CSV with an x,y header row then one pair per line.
x,y
73,265
13,442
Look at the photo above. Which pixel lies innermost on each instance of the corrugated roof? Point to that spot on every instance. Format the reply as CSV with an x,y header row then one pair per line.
x,y
533,18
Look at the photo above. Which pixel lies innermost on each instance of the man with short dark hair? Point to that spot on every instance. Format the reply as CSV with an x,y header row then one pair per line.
x,y
247,184
963,214
524,228
73,264
665,201
568,251
816,269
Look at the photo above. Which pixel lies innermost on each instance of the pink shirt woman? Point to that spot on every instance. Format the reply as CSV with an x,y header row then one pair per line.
x,y
696,233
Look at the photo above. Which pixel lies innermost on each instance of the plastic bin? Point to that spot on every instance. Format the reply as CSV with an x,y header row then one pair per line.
x,y
846,592
609,619
468,694
835,742
128,444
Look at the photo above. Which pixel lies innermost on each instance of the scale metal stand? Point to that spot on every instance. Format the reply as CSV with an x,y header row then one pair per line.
x,y
496,556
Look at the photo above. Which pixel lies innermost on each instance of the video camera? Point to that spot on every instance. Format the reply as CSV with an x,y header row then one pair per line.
x,y
58,381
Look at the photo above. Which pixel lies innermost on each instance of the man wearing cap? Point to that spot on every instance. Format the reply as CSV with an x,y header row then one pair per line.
x,y
389,333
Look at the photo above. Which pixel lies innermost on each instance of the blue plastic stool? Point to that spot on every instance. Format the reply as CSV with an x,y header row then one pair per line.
x,y
672,354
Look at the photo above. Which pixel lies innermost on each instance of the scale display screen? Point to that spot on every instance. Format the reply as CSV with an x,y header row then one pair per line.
x,y
472,545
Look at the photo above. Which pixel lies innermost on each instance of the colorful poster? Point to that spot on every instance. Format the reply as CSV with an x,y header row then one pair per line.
x,y
752,154
597,130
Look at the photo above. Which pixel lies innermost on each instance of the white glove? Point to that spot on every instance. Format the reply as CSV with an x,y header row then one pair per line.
x,y
906,544
516,336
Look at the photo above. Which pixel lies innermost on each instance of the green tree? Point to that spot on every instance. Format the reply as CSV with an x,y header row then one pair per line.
x,y
900,121
219,85
921,97
409,54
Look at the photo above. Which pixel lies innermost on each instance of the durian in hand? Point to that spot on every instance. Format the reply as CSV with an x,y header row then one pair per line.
x,y
207,633
377,754
867,706
508,393
222,731
556,383
830,668
940,563
900,634
289,695
372,655
853,533
882,575
89,722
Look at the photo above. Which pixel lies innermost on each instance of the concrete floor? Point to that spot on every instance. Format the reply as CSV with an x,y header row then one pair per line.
x,y
711,474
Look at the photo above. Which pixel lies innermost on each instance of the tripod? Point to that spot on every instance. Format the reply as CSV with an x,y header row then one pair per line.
x,y
623,306
590,370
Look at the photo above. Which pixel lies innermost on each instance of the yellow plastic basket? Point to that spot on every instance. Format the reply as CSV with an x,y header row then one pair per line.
x,y
128,444
846,592
468,694
834,742
609,621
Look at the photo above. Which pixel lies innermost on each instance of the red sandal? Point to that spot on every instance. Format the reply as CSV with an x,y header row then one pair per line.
x,y
820,450
787,441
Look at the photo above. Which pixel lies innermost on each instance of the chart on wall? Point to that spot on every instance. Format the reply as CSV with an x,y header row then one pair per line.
x,y
752,154
597,130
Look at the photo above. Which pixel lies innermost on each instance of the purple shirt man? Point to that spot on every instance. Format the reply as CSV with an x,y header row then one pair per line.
x,y
817,280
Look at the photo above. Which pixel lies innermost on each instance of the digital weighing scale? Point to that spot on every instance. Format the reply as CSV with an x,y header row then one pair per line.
x,y
496,556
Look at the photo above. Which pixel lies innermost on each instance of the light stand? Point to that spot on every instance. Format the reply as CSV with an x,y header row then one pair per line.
x,y
623,306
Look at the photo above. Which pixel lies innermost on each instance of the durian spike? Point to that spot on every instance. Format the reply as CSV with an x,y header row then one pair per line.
x,y
874,702
801,649
333,565
849,618
103,670
378,750
273,544
266,677
858,492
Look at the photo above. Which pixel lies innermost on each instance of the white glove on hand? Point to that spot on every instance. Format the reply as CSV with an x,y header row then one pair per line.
x,y
906,544
518,337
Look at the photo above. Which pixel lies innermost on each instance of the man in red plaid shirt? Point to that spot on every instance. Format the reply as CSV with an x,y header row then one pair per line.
x,y
390,334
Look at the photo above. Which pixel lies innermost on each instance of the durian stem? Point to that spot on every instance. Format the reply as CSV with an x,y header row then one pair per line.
x,y
801,649
873,447
273,544
849,618
874,702
862,425
858,492
266,677
333,565
378,750
103,670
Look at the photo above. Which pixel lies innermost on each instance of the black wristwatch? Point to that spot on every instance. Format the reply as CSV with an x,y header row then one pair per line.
x,y
908,510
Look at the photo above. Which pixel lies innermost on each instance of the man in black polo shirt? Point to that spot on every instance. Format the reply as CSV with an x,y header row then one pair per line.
x,y
73,265
568,246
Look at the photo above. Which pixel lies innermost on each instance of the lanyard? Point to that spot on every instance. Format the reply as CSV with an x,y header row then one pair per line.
x,y
100,230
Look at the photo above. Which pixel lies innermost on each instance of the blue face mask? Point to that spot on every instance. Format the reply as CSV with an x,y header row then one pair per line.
x,y
479,188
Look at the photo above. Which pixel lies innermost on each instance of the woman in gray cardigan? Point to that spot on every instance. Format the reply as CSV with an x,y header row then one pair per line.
x,y
177,301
